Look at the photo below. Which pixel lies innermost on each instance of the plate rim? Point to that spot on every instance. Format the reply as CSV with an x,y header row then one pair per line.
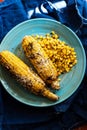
x,y
57,22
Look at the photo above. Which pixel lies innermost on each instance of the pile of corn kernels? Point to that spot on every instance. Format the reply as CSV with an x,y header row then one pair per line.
x,y
62,55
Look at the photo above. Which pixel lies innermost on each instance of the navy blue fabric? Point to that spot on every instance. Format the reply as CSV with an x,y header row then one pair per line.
x,y
66,115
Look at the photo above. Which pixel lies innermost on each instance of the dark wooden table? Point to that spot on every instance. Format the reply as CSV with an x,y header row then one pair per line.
x,y
83,127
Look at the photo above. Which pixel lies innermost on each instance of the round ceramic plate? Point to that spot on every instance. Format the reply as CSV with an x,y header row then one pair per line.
x,y
69,81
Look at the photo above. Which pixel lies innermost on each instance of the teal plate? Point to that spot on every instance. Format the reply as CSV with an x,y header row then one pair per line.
x,y
69,81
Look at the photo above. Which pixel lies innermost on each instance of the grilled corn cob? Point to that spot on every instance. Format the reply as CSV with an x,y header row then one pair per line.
x,y
25,75
41,61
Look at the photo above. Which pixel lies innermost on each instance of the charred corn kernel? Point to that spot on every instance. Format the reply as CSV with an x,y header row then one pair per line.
x,y
59,52
52,32
40,60
25,75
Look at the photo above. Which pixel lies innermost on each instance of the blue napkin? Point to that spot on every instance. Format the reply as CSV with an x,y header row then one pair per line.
x,y
68,114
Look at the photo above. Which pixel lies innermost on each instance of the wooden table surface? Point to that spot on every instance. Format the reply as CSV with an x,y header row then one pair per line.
x,y
83,127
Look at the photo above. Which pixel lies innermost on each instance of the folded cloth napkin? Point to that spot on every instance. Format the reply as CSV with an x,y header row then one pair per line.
x,y
66,115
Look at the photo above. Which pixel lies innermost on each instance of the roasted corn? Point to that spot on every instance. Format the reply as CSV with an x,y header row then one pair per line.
x,y
24,75
40,60
61,54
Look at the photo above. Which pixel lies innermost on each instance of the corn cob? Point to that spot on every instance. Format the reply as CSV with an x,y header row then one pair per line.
x,y
41,61
25,75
